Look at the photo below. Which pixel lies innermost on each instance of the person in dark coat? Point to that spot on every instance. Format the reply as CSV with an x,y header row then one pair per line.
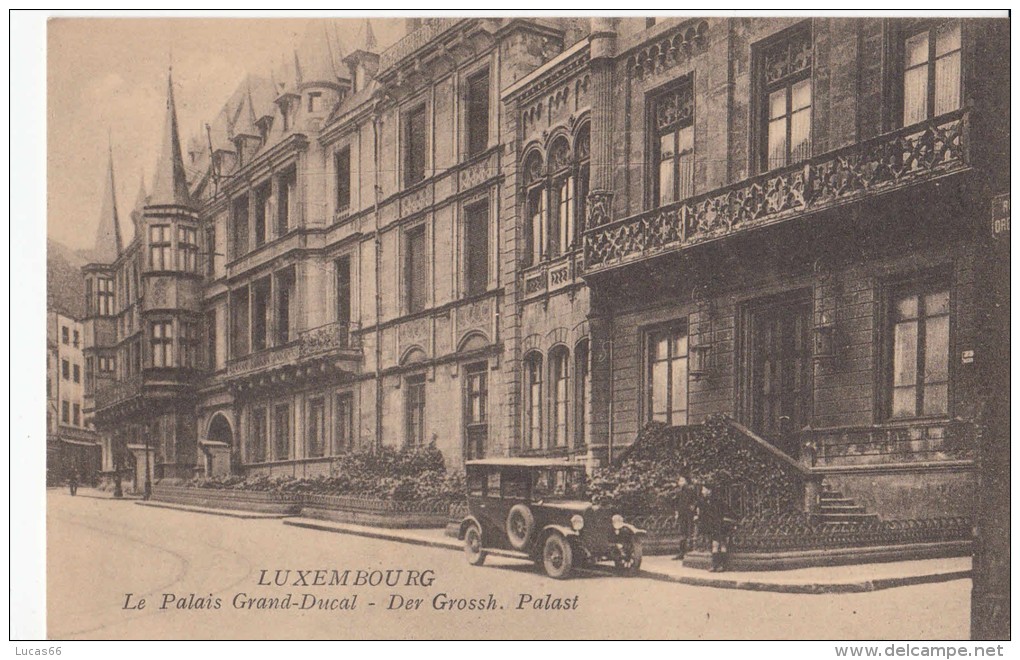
x,y
685,508
73,482
715,522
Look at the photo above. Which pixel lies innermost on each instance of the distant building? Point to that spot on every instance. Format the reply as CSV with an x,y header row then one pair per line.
x,y
71,445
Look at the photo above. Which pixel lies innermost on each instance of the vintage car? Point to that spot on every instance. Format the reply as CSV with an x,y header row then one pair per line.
x,y
536,508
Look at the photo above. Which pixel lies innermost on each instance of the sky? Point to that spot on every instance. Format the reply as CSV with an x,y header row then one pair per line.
x,y
107,86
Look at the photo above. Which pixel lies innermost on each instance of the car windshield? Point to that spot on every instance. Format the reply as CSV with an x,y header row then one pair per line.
x,y
561,483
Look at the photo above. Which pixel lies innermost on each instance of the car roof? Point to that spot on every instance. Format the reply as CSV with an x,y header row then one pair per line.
x,y
524,462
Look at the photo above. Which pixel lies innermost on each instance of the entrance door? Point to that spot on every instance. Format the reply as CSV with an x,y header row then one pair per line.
x,y
778,370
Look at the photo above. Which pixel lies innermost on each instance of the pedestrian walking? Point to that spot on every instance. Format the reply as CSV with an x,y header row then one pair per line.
x,y
685,508
715,522
73,482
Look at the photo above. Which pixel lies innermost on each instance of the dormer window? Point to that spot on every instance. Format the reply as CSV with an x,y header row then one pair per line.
x,y
314,101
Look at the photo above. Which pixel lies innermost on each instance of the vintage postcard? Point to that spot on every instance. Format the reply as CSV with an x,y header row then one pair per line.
x,y
529,327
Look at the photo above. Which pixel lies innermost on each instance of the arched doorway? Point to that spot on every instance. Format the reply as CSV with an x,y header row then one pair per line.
x,y
218,446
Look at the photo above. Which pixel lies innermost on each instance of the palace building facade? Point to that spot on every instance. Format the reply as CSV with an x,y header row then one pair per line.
x,y
534,236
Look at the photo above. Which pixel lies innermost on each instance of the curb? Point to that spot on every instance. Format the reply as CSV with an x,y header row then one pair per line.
x,y
244,515
713,582
384,536
809,587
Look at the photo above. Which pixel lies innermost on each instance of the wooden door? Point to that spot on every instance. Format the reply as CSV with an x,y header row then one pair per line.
x,y
778,370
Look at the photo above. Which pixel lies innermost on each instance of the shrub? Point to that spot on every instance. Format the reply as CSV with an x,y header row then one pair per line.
x,y
403,475
645,481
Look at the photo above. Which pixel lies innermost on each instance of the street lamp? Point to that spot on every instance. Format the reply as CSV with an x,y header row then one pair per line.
x,y
148,478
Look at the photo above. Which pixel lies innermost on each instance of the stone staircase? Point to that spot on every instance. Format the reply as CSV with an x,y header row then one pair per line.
x,y
834,508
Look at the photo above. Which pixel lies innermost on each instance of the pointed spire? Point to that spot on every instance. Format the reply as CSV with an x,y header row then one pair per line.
x,y
140,198
369,43
170,186
108,240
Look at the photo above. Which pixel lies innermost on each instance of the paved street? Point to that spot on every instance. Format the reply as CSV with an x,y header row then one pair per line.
x,y
101,550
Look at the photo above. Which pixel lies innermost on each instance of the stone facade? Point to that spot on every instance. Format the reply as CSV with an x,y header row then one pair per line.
x,y
467,239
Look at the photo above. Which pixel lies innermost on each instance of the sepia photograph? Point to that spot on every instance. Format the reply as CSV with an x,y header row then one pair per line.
x,y
528,327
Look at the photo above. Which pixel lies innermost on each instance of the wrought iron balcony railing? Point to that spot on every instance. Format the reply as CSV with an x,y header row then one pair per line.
x,y
894,160
114,392
323,340
430,29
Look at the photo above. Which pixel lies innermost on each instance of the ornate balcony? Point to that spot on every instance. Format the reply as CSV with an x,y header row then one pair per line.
x,y
333,340
429,30
896,160
117,391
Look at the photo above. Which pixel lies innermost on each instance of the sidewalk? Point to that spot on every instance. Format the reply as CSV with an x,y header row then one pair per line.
x,y
98,494
816,580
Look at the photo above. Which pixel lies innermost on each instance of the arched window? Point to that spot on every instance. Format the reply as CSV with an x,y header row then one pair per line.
x,y
582,385
535,208
533,401
559,395
582,154
561,194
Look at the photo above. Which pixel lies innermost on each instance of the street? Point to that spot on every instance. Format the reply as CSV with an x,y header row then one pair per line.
x,y
199,576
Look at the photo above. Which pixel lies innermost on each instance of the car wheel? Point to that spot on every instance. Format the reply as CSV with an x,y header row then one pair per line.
x,y
473,546
520,523
557,556
630,563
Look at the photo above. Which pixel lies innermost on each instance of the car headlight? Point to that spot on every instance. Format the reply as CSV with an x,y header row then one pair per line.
x,y
577,523
617,522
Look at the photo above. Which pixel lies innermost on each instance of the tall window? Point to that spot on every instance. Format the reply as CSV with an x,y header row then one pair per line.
x,y
76,370
343,289
239,322
65,412
476,412
415,146
534,181
582,152
260,314
477,113
414,411
281,435
263,211
65,335
931,71
65,369
561,221
582,385
343,438
161,341
76,414
667,376
160,247
187,245
104,294
259,432
210,339
189,345
674,143
316,428
77,338
210,251
285,213
343,180
284,289
559,394
786,111
476,247
415,270
533,401
240,223
920,352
